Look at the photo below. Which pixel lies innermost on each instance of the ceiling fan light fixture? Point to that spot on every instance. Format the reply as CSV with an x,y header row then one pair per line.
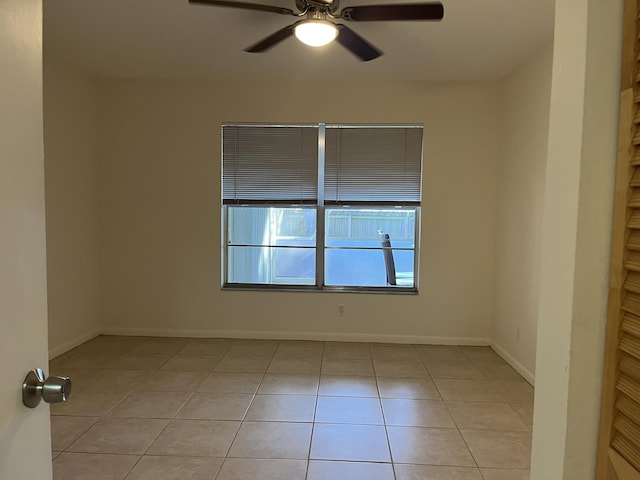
x,y
316,33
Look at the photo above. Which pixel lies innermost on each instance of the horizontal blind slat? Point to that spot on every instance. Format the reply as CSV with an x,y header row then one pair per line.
x,y
269,163
374,164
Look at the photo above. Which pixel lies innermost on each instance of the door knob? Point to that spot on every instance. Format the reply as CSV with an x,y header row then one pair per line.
x,y
52,390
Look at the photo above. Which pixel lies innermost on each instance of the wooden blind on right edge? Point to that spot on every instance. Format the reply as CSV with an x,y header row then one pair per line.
x,y
619,441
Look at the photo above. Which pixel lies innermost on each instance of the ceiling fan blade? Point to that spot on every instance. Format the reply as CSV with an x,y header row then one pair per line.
x,y
401,11
273,39
246,5
356,44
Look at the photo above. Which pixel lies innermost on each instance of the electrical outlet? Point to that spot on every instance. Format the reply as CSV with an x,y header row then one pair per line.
x,y
341,309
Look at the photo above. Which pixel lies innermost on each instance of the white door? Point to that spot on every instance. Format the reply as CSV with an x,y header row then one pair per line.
x,y
25,444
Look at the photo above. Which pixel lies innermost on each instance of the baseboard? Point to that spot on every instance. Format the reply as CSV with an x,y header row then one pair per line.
x,y
74,342
285,335
517,366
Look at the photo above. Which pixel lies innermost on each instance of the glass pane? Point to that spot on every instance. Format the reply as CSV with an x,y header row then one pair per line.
x,y
360,268
367,268
354,255
271,265
356,227
271,226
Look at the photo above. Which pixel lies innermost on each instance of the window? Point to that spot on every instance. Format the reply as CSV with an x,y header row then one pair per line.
x,y
321,206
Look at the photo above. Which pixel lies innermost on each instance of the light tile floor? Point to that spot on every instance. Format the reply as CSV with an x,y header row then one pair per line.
x,y
196,409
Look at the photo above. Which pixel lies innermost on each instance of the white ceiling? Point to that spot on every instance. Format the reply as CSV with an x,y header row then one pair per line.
x,y
478,39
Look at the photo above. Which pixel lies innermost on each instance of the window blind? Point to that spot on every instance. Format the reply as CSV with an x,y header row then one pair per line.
x,y
373,164
269,164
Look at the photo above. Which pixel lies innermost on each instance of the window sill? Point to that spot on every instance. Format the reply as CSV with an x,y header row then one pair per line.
x,y
313,289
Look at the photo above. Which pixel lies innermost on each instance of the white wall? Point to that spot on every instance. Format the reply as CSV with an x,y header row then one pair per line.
x,y
521,179
160,210
576,237
71,205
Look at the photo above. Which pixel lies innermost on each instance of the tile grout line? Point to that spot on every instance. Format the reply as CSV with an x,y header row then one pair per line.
x,y
315,411
386,430
226,455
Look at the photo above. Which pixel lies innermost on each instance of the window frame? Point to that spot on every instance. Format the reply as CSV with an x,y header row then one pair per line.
x,y
321,208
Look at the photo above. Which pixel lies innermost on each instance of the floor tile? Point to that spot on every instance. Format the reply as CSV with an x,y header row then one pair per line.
x,y
485,416
289,383
85,359
263,469
216,406
92,403
224,382
463,369
191,363
175,468
170,381
150,405
295,348
418,388
353,410
499,449
428,472
84,466
348,386
119,436
295,365
482,355
282,408
116,342
81,378
207,346
399,369
498,372
525,412
429,446
285,391
440,353
116,380
416,413
197,438
363,443
272,440
64,430
244,364
403,353
348,350
333,470
139,361
484,391
494,474
491,364
161,345
254,348
342,366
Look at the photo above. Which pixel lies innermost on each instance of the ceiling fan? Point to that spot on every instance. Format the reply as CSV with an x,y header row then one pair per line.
x,y
317,28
